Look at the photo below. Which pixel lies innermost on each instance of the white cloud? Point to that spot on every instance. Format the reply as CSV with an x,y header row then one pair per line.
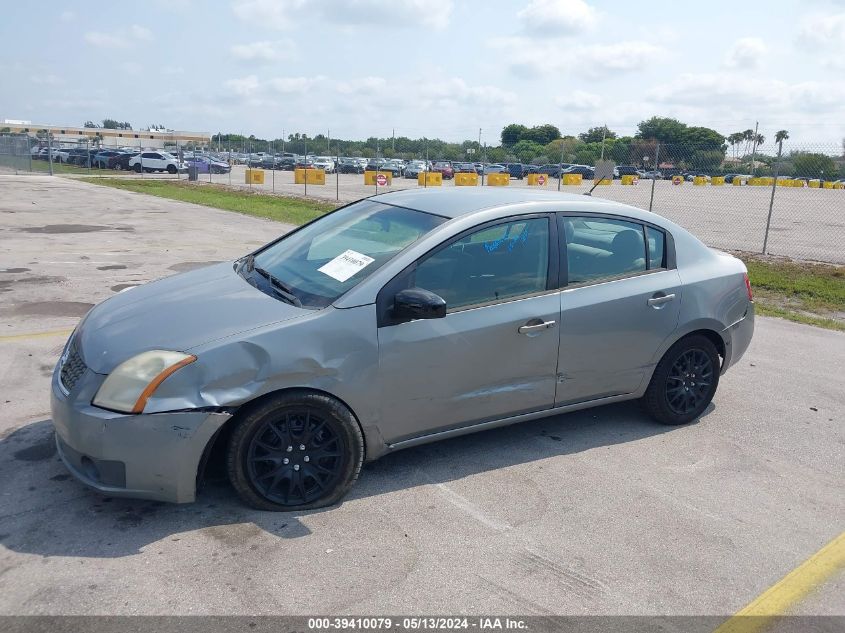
x,y
362,86
47,80
292,85
398,13
140,33
555,18
622,56
822,30
579,100
276,14
263,52
119,39
105,40
529,59
746,52
701,89
284,14
245,86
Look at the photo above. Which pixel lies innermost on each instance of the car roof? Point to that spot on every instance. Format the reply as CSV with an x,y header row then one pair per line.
x,y
451,203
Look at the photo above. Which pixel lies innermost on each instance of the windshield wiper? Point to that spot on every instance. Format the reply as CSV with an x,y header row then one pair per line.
x,y
282,289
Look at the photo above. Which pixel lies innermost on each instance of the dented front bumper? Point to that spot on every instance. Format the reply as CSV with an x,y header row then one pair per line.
x,y
147,456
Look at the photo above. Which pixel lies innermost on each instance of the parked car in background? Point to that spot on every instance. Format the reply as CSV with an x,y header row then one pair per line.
x,y
101,158
346,165
653,175
156,161
626,170
463,168
207,165
375,164
444,168
517,170
363,333
325,163
495,168
121,161
395,166
553,171
587,173
416,167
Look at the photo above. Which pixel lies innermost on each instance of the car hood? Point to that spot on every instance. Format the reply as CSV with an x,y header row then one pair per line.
x,y
176,313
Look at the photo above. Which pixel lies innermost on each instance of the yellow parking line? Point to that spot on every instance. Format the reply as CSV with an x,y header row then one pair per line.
x,y
29,335
789,590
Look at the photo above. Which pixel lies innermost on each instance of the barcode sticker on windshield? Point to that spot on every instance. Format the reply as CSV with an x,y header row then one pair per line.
x,y
345,265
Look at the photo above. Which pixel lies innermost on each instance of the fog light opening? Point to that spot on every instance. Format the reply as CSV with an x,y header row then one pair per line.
x,y
90,469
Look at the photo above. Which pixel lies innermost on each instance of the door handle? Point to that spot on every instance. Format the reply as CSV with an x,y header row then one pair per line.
x,y
536,327
659,300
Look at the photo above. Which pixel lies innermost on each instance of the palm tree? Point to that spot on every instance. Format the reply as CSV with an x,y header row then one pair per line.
x,y
747,136
781,136
760,139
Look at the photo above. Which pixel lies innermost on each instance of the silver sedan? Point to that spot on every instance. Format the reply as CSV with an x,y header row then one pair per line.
x,y
397,320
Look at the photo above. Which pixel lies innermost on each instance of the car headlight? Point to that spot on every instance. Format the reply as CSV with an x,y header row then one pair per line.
x,y
129,386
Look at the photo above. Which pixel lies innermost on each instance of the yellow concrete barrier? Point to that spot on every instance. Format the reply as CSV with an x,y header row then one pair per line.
x,y
466,179
828,184
498,180
839,185
737,181
430,179
699,180
538,180
606,181
815,183
371,178
571,179
630,179
254,177
755,182
717,180
310,176
784,182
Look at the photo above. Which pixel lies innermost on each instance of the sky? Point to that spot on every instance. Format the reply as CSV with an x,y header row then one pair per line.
x,y
427,68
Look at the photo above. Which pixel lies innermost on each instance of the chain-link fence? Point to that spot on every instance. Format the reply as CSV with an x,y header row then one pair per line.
x,y
788,201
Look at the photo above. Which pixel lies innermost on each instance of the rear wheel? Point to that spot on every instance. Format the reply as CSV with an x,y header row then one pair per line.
x,y
137,168
171,169
684,381
297,451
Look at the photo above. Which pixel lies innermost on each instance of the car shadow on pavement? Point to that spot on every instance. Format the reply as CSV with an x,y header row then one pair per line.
x,y
46,512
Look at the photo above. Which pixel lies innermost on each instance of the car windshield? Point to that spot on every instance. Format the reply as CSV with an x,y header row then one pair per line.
x,y
325,259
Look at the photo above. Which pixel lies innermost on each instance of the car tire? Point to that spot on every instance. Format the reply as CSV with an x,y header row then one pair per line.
x,y
270,469
171,169
137,168
684,381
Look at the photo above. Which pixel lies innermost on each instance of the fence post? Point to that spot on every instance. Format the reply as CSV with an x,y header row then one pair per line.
x,y
772,199
337,174
50,151
654,178
141,156
29,151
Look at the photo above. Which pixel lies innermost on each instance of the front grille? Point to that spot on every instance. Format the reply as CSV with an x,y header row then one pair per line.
x,y
73,367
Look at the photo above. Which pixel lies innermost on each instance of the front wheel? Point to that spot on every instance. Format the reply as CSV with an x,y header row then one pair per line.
x,y
171,169
137,168
297,451
684,381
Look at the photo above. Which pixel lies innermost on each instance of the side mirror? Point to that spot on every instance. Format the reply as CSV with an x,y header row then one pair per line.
x,y
417,303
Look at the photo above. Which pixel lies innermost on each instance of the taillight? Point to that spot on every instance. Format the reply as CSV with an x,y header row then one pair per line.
x,y
748,287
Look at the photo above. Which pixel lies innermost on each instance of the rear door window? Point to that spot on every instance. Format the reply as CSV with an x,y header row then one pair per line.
x,y
598,249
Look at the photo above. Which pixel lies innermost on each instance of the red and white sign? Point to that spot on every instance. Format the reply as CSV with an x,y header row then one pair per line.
x,y
541,179
635,180
381,180
677,180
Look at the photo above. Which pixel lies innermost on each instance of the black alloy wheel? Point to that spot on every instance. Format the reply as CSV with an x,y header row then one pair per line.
x,y
298,450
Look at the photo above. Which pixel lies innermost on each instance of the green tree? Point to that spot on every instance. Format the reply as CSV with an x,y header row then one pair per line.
x,y
661,129
512,134
813,165
526,150
597,134
542,134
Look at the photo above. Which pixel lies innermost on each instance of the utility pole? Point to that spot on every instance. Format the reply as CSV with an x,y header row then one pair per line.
x,y
754,150
654,175
394,139
603,134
